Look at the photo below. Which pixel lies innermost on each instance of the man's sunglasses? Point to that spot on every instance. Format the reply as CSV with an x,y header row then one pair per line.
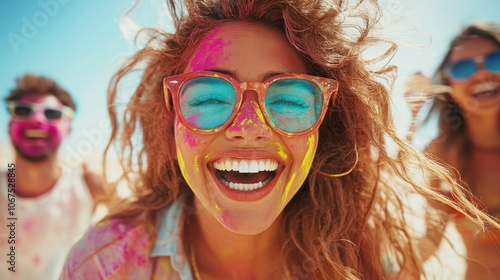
x,y
26,110
207,102
465,68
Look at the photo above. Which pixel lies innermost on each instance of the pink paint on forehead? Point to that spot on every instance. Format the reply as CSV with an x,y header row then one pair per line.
x,y
210,52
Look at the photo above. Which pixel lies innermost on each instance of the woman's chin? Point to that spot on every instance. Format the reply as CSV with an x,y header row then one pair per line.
x,y
247,222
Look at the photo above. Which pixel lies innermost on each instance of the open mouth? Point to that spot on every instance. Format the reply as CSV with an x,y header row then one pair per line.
x,y
245,174
36,134
486,90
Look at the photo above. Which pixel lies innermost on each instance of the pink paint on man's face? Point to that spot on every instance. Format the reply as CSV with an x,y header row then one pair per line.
x,y
36,138
210,52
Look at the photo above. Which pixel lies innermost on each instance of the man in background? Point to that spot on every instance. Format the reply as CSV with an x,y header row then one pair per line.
x,y
47,205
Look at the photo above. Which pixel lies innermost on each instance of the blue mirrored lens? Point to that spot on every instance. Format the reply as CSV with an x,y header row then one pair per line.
x,y
207,102
293,105
492,62
463,69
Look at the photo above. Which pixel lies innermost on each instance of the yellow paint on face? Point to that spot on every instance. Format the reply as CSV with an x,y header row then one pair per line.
x,y
309,156
246,122
281,151
197,163
259,112
287,190
182,164
306,165
218,208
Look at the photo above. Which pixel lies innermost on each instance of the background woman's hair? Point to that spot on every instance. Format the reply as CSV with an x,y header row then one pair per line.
x,y
337,228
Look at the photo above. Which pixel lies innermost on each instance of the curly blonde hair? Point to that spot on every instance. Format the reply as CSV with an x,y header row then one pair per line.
x,y
337,228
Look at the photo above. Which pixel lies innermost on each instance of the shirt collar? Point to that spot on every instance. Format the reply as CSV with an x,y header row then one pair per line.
x,y
169,241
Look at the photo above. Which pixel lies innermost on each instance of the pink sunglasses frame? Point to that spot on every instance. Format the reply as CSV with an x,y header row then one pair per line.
x,y
172,85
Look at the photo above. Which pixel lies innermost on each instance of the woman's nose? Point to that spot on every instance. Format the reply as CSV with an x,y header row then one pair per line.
x,y
249,123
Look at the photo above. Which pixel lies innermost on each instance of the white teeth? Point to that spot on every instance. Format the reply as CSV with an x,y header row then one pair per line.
x,y
253,167
485,87
262,165
245,187
246,165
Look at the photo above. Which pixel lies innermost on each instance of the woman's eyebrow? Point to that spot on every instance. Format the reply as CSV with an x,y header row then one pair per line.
x,y
270,74
223,71
235,75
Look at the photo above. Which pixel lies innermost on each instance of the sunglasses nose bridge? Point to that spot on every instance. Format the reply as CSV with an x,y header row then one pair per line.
x,y
481,70
257,88
479,61
252,86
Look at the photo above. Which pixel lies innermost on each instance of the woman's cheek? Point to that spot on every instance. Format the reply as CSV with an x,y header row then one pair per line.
x,y
303,150
190,146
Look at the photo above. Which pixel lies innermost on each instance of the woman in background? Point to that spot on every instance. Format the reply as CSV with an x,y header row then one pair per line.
x,y
468,140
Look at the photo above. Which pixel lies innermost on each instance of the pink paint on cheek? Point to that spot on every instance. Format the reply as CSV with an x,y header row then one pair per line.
x,y
191,139
34,147
210,52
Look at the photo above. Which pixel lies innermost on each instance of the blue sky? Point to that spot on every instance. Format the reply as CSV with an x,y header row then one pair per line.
x,y
79,44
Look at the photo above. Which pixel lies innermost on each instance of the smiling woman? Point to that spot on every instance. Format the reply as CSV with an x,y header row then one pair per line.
x,y
469,137
263,152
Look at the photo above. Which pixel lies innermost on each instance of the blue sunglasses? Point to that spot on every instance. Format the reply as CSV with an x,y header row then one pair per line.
x,y
464,69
